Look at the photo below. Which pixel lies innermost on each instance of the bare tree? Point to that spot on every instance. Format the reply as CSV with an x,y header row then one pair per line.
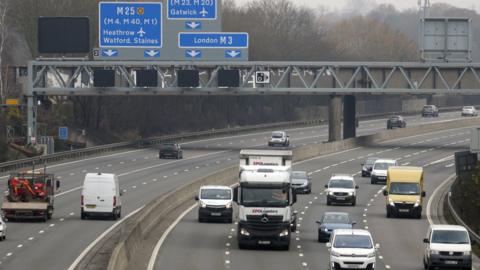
x,y
3,42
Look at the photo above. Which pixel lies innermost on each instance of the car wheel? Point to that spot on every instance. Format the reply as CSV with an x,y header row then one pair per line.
x,y
83,215
242,246
319,239
389,214
354,201
329,202
373,182
114,215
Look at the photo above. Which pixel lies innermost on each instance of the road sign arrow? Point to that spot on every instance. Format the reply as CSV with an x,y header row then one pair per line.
x,y
109,53
152,53
193,53
193,25
233,54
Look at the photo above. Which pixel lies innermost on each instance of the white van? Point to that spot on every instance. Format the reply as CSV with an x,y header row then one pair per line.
x,y
101,196
215,202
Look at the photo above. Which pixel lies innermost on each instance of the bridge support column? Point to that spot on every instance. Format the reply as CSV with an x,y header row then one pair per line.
x,y
349,117
335,118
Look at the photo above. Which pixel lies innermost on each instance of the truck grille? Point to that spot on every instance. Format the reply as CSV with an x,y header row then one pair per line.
x,y
404,205
447,253
258,219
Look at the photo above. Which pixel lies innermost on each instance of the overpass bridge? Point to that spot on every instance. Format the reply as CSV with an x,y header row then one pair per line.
x,y
339,80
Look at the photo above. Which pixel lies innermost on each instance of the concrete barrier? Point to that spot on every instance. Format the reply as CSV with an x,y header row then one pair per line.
x,y
160,210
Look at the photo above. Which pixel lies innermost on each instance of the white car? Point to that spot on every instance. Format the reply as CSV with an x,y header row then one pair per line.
x,y
447,246
279,138
469,111
379,170
215,203
3,229
352,248
341,188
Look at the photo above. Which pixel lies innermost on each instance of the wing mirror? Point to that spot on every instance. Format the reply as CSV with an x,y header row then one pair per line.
x,y
357,187
57,184
235,194
385,192
196,198
328,245
425,240
326,186
294,196
424,194
318,222
377,246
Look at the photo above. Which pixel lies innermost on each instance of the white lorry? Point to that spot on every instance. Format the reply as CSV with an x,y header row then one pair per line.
x,y
265,198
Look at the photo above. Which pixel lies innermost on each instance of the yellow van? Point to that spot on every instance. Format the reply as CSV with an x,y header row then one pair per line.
x,y
404,191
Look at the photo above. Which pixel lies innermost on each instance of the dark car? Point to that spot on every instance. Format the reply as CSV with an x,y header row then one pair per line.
x,y
170,149
430,110
367,166
396,121
301,182
332,221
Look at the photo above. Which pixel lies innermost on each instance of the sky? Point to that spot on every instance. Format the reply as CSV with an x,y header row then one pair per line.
x,y
343,5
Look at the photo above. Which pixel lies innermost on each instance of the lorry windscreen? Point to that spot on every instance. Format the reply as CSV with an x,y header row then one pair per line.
x,y
216,194
264,197
401,188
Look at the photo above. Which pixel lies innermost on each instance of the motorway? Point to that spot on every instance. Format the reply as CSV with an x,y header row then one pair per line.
x,y
214,246
143,177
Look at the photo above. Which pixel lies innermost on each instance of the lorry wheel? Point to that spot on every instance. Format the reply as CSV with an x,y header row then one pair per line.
x,y
49,215
45,217
83,216
389,215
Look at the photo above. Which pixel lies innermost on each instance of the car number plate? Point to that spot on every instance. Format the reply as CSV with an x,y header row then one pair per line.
x,y
90,205
264,242
404,210
382,178
341,199
352,266
216,214
451,262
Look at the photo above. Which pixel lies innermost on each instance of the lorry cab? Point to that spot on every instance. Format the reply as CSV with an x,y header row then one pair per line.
x,y
215,203
404,191
265,198
101,196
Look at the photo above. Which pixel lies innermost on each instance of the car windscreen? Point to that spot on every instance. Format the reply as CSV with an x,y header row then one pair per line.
x,y
335,218
216,194
450,237
401,188
394,118
277,135
468,108
382,166
299,175
264,197
167,146
353,241
370,161
340,183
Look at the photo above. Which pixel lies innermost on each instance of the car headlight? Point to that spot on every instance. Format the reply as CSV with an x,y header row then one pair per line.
x,y
335,254
434,252
467,253
371,255
229,205
350,193
284,233
203,205
330,193
244,232
325,229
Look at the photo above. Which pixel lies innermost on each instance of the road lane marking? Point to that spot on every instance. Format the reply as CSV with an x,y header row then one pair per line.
x,y
105,233
429,204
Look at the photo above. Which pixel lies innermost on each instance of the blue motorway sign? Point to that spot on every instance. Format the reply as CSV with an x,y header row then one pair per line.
x,y
192,9
63,133
213,40
130,24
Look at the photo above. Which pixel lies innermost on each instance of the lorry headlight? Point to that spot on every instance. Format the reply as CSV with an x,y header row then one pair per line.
x,y
203,205
229,205
244,232
417,203
467,253
390,201
284,233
